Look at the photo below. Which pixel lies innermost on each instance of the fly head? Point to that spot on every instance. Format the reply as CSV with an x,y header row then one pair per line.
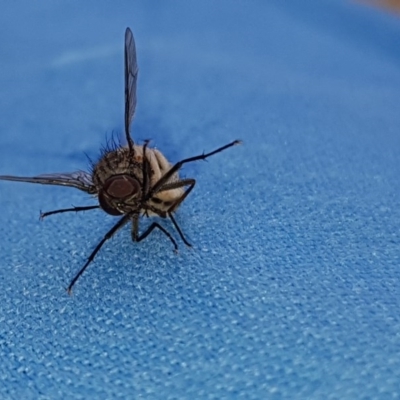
x,y
120,194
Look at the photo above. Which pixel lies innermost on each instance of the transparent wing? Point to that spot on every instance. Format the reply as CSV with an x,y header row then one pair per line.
x,y
131,73
80,180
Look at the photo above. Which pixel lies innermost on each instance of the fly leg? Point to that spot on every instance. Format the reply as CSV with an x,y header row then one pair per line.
x,y
170,215
138,238
107,236
175,185
164,179
76,209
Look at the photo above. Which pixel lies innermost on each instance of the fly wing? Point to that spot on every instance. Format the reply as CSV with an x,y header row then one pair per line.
x,y
131,73
80,180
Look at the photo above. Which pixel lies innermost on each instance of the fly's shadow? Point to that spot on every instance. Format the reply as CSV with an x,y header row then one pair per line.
x,y
130,181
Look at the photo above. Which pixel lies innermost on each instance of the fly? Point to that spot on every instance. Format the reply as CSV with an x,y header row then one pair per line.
x,y
129,181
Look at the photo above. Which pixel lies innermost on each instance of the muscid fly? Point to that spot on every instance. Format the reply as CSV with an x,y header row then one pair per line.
x,y
129,181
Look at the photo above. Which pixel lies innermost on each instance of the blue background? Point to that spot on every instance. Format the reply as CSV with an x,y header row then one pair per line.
x,y
292,289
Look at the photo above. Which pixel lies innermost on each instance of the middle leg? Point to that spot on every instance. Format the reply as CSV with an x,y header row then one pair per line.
x,y
136,237
174,185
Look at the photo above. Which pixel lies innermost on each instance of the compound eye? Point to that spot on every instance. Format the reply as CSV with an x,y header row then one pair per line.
x,y
122,186
106,206
115,190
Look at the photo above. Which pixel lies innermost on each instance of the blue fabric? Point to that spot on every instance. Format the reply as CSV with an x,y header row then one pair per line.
x,y
292,287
